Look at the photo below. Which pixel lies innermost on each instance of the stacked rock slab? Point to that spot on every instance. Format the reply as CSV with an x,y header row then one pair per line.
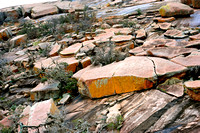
x,y
132,74
193,89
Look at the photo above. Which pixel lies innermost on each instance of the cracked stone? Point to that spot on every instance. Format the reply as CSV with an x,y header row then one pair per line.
x,y
164,26
125,76
71,50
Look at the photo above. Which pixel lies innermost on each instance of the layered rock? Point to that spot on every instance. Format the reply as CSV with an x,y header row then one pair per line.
x,y
125,76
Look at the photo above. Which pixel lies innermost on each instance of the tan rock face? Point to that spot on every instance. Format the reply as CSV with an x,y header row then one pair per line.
x,y
141,34
193,89
71,50
176,34
19,40
188,61
5,34
195,37
169,52
164,26
39,113
132,74
175,9
43,10
54,51
122,39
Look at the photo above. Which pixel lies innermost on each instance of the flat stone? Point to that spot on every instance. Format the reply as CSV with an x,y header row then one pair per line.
x,y
5,34
158,42
173,87
65,99
169,52
188,61
125,76
49,63
55,50
175,9
66,41
175,34
43,10
44,91
164,26
122,31
141,34
161,20
39,114
24,116
105,26
193,89
19,40
195,37
88,46
118,26
71,50
122,39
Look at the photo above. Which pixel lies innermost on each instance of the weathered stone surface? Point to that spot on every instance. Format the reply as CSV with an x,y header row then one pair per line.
x,y
141,34
164,26
173,87
5,34
169,52
39,114
157,43
12,14
161,20
49,63
55,49
105,26
71,50
188,61
193,44
64,6
176,34
44,91
19,40
118,26
125,76
88,46
140,108
195,4
25,116
26,9
86,62
175,9
193,89
43,10
195,37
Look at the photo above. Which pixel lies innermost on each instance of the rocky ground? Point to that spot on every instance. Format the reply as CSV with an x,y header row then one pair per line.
x,y
100,66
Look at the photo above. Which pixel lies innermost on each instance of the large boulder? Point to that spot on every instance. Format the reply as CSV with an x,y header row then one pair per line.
x,y
132,74
43,10
175,9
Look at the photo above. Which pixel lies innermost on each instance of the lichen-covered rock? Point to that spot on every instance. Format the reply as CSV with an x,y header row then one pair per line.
x,y
175,9
132,74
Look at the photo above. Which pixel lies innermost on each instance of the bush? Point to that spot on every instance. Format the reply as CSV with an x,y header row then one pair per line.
x,y
107,55
58,73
